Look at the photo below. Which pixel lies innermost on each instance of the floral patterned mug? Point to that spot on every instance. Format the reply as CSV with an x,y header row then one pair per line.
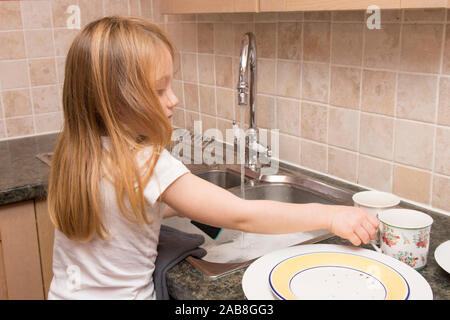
x,y
405,235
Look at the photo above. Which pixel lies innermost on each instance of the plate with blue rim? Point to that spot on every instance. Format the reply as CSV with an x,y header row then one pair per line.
x,y
325,271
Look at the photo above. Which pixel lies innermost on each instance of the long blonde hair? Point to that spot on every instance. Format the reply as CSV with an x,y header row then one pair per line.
x,y
110,75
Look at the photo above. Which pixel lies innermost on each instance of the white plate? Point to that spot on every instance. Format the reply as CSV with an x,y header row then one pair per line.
x,y
256,285
442,255
336,275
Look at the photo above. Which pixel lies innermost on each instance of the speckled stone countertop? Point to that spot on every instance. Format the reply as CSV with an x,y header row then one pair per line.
x,y
185,282
24,177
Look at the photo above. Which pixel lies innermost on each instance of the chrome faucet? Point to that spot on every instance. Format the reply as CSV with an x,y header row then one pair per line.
x,y
248,59
247,69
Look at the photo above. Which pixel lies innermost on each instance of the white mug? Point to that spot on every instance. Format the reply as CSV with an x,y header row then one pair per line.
x,y
375,202
405,236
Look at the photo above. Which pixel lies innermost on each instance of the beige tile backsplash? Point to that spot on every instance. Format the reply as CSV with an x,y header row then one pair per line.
x,y
368,106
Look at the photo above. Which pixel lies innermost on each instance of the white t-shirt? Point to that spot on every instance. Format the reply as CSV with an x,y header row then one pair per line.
x,y
122,266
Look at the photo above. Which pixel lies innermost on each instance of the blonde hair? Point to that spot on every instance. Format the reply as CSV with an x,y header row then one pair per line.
x,y
110,75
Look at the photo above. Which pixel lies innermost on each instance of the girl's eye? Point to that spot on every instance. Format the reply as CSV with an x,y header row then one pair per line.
x,y
160,92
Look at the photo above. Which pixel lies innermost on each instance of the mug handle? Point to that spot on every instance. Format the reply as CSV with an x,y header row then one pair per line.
x,y
373,243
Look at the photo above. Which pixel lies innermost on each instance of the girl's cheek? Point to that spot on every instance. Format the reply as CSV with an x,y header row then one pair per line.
x,y
173,98
165,103
162,100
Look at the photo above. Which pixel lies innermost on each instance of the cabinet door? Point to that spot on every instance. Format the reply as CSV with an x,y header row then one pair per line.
x,y
208,6
3,288
46,235
425,3
328,5
20,269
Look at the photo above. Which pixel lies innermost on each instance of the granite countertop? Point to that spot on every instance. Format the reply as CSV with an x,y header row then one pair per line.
x,y
24,177
185,282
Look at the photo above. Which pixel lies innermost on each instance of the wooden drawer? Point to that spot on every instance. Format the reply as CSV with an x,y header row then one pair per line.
x,y
20,266
208,6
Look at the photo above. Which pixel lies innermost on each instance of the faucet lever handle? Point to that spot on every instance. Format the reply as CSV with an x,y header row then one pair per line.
x,y
242,97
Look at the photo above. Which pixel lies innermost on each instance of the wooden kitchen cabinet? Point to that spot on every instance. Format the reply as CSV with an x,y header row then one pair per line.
x,y
425,3
208,6
222,6
20,265
328,5
46,234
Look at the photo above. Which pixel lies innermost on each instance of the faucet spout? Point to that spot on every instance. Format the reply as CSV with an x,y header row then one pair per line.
x,y
247,68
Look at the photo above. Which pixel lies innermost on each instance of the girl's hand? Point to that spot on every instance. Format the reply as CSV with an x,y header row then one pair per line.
x,y
354,224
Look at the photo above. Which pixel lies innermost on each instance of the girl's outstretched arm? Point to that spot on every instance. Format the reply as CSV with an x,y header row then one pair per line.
x,y
169,212
205,202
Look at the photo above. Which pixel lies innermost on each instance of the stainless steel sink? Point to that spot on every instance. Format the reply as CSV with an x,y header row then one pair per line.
x,y
233,249
281,192
222,178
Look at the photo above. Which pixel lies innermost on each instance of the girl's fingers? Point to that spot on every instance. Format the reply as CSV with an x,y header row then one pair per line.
x,y
373,220
362,234
354,239
371,230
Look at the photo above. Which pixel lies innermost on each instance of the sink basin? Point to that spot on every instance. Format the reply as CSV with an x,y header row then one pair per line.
x,y
221,178
235,249
281,192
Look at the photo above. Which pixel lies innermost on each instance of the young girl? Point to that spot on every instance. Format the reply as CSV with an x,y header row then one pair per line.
x,y
112,181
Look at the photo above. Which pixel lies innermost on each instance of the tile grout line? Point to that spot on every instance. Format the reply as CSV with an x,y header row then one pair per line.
x,y
29,136
300,94
394,128
214,76
182,87
140,9
103,8
30,91
438,88
327,151
151,9
197,83
361,75
26,116
350,66
429,74
276,85
241,22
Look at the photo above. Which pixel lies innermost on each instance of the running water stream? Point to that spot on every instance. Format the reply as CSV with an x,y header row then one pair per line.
x,y
242,160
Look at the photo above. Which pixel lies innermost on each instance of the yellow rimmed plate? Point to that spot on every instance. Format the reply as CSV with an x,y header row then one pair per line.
x,y
334,275
256,286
